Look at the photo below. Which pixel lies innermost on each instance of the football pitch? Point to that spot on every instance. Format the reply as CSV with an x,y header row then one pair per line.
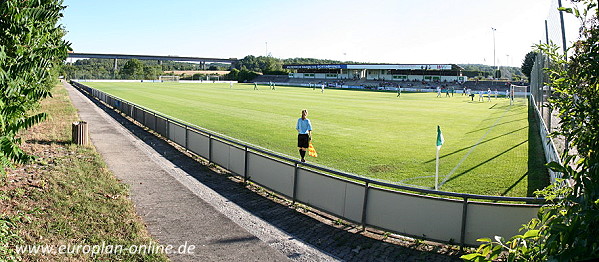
x,y
487,149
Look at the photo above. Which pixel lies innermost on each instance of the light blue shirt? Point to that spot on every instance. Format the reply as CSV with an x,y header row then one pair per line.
x,y
303,126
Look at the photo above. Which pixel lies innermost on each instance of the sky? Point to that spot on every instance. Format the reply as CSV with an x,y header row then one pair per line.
x,y
375,31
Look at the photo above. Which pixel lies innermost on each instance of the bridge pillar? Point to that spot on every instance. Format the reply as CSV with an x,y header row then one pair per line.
x,y
114,70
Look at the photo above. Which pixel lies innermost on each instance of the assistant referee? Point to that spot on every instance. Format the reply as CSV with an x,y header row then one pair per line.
x,y
304,129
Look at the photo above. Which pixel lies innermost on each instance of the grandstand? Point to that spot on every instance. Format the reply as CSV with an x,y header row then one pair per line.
x,y
501,86
385,72
421,77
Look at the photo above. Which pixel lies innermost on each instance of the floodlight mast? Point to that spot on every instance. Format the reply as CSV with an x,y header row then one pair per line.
x,y
493,29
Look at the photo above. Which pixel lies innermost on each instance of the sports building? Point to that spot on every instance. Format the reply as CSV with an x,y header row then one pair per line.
x,y
386,72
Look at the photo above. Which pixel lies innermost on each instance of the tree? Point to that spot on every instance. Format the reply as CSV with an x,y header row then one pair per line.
x,y
233,74
529,61
151,72
261,64
566,228
31,49
246,75
133,69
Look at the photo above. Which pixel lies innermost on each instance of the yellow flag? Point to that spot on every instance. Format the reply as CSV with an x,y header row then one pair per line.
x,y
312,151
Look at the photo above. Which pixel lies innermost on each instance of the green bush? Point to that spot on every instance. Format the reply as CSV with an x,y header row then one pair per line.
x,y
31,47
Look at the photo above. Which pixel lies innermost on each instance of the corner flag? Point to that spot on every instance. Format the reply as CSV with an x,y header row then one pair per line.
x,y
312,151
440,139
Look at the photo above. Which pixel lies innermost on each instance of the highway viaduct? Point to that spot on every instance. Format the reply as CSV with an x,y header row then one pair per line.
x,y
201,60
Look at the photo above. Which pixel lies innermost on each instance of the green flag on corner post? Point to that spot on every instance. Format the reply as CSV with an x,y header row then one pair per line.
x,y
440,139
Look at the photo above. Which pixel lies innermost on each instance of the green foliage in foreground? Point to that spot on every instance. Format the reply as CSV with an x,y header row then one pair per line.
x,y
566,228
8,236
31,46
374,134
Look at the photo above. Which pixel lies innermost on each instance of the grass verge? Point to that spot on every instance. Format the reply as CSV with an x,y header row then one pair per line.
x,y
66,196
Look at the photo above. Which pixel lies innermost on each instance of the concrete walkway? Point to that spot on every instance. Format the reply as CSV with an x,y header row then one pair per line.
x,y
181,201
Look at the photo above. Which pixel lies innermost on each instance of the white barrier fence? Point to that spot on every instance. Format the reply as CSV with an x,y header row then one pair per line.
x,y
551,154
441,216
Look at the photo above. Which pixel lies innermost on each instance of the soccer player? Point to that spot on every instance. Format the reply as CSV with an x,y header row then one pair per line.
x,y
470,94
304,129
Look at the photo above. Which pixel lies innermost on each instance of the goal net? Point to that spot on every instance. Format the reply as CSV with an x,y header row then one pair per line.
x,y
168,78
518,94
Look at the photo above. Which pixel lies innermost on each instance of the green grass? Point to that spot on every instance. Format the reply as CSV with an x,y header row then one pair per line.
x,y
373,134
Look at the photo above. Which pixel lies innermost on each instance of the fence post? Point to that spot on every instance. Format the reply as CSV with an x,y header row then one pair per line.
x,y
463,230
364,205
245,165
209,149
143,117
295,169
155,122
168,128
186,136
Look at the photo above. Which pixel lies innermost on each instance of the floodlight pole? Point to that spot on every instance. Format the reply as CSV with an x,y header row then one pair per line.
x,y
493,29
561,18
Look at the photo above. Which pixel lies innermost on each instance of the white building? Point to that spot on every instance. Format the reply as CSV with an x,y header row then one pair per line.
x,y
385,72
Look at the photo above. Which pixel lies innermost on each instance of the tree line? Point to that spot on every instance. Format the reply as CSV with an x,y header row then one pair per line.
x,y
95,68
244,70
